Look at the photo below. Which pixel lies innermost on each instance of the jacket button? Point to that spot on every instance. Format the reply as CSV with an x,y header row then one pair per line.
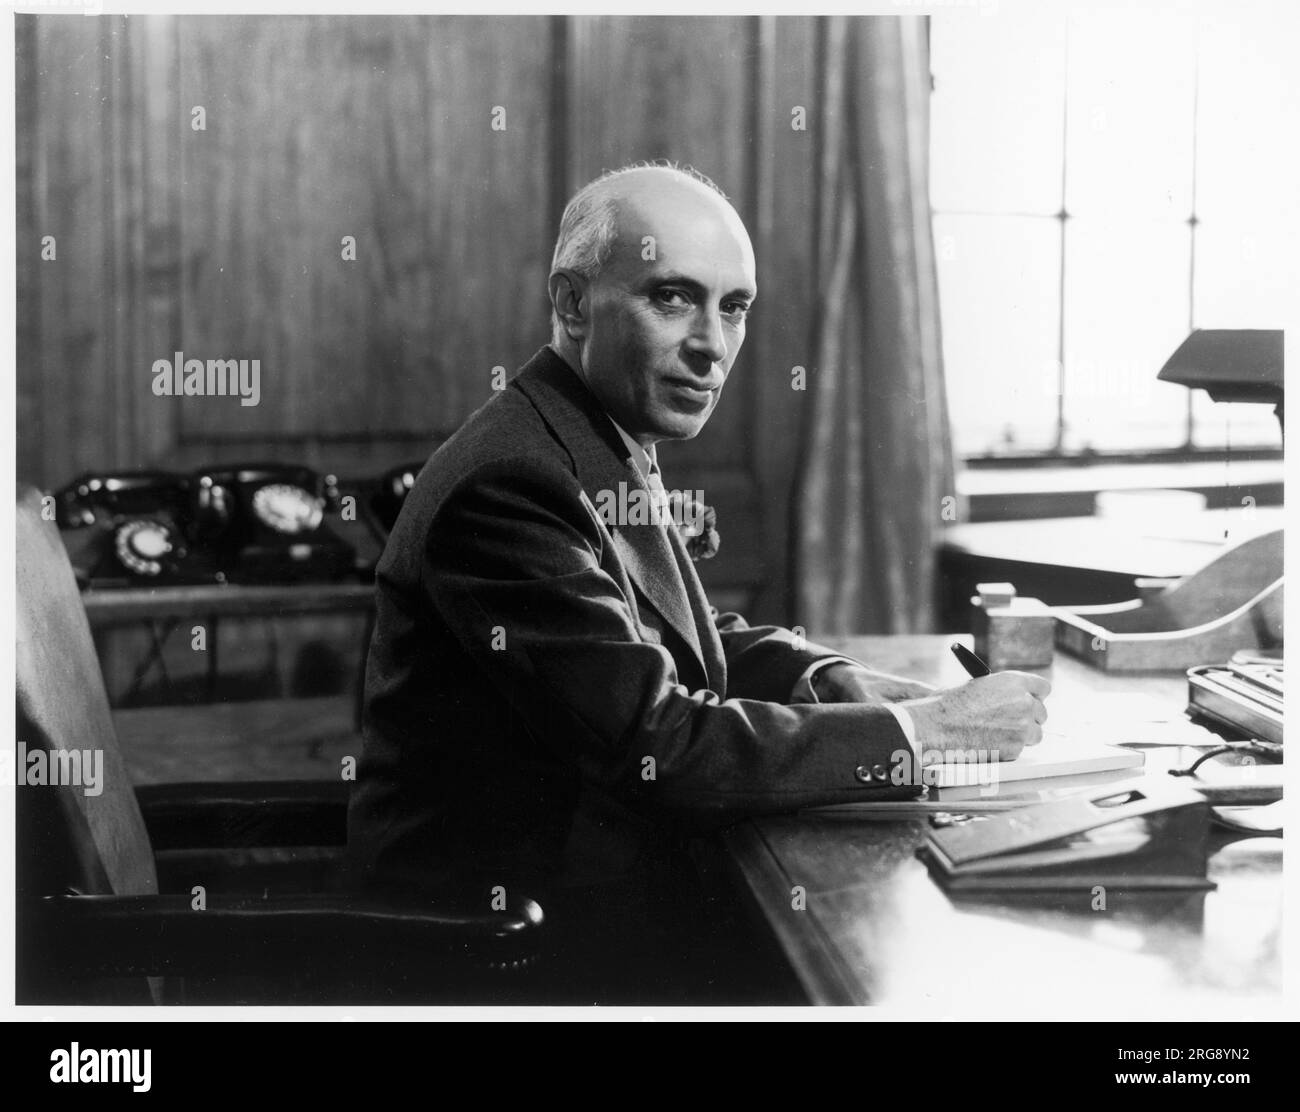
x,y
863,773
878,772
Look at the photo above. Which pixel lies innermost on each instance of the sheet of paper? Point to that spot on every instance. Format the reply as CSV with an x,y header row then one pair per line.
x,y
1130,719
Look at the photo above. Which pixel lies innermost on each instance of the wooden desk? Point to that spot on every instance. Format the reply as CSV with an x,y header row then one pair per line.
x,y
122,606
1114,546
163,610
1071,561
264,739
877,930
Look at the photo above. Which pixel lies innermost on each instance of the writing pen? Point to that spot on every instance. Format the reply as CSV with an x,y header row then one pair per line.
x,y
972,663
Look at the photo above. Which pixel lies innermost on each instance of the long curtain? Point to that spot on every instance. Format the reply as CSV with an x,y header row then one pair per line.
x,y
876,465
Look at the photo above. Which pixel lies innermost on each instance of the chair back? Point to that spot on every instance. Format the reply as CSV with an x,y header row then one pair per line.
x,y
80,826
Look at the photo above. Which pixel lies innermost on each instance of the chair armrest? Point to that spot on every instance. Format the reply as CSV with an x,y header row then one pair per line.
x,y
243,815
279,936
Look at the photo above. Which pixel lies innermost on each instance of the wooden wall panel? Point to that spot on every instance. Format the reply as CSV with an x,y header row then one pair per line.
x,y
664,87
159,250
29,411
225,243
320,128
69,397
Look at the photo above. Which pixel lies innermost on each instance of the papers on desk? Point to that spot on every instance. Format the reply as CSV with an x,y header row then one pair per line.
x,y
1134,719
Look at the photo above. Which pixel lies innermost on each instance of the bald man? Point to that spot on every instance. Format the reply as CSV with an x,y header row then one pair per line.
x,y
551,703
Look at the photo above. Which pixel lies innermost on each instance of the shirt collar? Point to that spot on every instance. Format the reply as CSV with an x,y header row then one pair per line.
x,y
645,459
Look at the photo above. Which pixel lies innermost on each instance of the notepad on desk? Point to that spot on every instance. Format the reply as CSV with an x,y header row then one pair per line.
x,y
1055,757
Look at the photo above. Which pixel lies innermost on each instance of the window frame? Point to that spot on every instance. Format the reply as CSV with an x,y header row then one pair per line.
x,y
1058,455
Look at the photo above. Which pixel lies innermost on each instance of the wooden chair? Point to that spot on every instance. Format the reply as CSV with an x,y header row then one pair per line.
x,y
93,924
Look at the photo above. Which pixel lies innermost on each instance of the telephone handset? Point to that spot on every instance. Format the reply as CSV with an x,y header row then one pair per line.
x,y
137,521
266,523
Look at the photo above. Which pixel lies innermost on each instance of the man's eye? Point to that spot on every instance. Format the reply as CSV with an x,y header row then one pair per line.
x,y
672,297
737,309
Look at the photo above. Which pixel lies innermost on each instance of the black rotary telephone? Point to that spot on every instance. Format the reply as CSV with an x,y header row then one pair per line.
x,y
252,523
136,527
265,523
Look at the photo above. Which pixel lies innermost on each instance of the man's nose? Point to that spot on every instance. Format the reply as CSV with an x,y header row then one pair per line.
x,y
707,338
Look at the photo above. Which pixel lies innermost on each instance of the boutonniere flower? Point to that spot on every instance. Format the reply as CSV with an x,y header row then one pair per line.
x,y
697,523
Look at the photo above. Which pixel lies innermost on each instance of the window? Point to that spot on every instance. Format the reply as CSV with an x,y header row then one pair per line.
x,y
1102,183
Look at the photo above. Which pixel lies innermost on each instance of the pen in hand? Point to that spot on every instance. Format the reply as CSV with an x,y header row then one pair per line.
x,y
974,666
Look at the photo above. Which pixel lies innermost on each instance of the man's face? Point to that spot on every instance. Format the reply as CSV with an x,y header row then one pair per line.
x,y
665,330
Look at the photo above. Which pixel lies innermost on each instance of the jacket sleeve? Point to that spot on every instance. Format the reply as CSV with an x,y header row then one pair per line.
x,y
767,662
515,562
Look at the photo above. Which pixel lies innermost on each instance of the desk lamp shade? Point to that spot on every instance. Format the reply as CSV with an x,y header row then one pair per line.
x,y
1230,364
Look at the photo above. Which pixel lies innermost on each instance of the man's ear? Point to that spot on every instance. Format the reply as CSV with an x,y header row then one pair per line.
x,y
568,290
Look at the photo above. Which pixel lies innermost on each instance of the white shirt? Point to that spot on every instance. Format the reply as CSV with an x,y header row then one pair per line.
x,y
644,458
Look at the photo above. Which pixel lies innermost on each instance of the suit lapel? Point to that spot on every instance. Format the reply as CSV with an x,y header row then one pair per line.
x,y
715,659
601,462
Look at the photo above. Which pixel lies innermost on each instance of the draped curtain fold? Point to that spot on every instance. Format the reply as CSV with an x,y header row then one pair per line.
x,y
876,455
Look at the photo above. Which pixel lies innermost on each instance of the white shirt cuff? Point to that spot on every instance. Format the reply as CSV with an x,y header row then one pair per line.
x,y
908,726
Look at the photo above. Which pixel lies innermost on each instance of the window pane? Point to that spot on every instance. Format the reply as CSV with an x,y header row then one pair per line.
x,y
997,112
1247,270
999,282
1248,182
1131,105
1126,310
1248,175
1171,114
1248,105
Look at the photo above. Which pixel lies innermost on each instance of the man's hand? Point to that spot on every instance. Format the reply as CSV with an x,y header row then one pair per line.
x,y
851,683
1000,713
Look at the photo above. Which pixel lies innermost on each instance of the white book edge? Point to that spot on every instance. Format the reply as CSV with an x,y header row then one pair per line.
x,y
1053,756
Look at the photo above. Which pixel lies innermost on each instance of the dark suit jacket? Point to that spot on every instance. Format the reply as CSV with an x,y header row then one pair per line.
x,y
551,699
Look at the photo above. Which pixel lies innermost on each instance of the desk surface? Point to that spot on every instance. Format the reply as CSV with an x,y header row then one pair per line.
x,y
1160,549
877,930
